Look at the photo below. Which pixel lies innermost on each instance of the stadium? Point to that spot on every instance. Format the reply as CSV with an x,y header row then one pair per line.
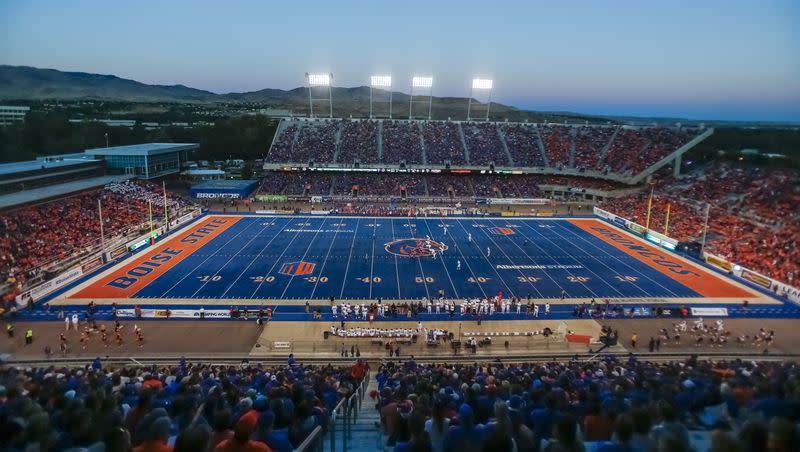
x,y
393,273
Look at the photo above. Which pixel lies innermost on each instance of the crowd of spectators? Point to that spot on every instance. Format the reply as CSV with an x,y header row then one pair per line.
x,y
483,143
35,236
523,144
558,142
144,191
359,141
528,185
401,142
581,182
190,407
629,150
350,184
589,143
443,143
281,150
413,184
633,150
607,406
447,185
495,186
435,185
295,183
315,142
752,221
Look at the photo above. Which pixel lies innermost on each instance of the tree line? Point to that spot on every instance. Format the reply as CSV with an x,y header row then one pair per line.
x,y
241,137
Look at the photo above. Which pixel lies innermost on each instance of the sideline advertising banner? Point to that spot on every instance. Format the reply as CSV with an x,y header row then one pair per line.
x,y
91,264
709,312
175,313
755,278
50,286
719,262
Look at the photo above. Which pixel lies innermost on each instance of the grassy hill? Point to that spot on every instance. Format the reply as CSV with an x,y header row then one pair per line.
x,y
22,83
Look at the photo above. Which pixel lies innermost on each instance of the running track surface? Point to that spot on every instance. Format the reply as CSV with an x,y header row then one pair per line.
x,y
307,258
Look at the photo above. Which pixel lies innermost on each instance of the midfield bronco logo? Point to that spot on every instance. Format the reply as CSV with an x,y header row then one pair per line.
x,y
297,268
414,247
502,231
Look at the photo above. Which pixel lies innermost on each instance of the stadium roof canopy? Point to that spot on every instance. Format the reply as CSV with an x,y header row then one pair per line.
x,y
146,149
224,184
58,190
57,161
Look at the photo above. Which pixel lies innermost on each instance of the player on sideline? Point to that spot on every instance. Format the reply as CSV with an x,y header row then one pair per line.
x,y
469,236
458,264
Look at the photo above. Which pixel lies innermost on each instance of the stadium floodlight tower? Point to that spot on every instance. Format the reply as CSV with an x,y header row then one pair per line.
x,y
480,84
381,83
423,87
322,82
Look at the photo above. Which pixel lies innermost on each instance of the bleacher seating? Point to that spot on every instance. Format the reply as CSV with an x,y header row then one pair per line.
x,y
484,144
401,142
444,185
358,142
443,143
606,405
630,150
748,221
523,145
557,142
589,142
633,150
35,236
194,407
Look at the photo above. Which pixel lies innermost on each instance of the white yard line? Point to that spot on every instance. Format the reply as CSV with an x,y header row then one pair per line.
x,y
616,258
500,278
594,294
305,253
325,261
275,262
396,265
243,272
349,257
204,260
441,258
469,267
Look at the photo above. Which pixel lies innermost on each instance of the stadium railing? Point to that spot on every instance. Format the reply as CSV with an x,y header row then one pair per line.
x,y
342,419
94,249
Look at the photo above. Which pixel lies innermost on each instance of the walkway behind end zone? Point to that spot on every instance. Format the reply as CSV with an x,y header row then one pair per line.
x,y
702,282
152,264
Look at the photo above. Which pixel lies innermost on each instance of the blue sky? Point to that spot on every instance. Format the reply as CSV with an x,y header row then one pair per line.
x,y
698,59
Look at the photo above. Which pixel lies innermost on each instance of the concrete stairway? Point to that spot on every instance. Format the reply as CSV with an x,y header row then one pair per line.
x,y
365,434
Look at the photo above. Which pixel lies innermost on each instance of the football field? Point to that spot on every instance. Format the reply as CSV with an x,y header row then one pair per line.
x,y
227,257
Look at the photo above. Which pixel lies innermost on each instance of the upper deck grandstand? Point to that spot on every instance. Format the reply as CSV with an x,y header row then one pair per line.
x,y
622,153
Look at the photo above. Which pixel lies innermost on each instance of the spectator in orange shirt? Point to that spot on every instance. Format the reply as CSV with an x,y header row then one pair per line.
x,y
157,436
241,441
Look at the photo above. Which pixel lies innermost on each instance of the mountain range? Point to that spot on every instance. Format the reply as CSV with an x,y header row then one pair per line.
x,y
24,83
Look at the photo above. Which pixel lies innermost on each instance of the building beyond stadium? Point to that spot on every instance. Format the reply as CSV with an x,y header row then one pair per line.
x,y
146,161
58,175
224,189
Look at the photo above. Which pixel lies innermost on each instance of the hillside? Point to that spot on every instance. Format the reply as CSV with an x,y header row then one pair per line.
x,y
22,83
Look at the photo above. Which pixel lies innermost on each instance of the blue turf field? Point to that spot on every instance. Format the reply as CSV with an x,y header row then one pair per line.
x,y
347,257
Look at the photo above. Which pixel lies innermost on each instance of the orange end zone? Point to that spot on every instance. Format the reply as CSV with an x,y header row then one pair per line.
x,y
702,282
129,279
